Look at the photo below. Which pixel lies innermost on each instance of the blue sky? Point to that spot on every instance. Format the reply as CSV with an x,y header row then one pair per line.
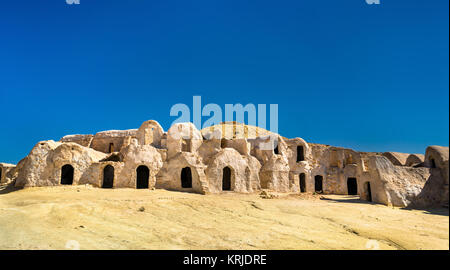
x,y
344,73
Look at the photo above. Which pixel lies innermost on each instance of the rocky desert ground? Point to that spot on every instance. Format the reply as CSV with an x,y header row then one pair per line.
x,y
72,217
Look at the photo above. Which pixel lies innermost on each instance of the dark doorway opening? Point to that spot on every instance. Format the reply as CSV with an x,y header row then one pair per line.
x,y
0,175
112,157
302,182
223,143
108,177
276,150
226,179
67,175
300,154
111,148
368,191
318,183
352,186
142,177
433,163
186,178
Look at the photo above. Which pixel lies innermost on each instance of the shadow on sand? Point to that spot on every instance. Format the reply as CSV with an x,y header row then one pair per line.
x,y
5,189
351,199
442,211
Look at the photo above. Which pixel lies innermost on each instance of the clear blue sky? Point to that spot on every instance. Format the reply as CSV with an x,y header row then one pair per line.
x,y
368,77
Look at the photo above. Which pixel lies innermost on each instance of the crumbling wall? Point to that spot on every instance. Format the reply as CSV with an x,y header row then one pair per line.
x,y
183,137
435,191
150,133
298,162
318,165
252,173
112,140
169,177
335,165
395,185
96,172
135,155
6,172
211,145
265,147
437,157
42,167
398,159
414,159
83,140
241,145
240,171
257,159
274,174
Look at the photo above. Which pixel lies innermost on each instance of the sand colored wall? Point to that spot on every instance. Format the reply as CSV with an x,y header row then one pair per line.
x,y
396,185
414,159
183,137
169,176
118,138
83,140
398,159
244,174
265,161
42,167
6,172
150,133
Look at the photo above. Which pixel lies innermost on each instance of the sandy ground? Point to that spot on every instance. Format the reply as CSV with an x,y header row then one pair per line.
x,y
90,218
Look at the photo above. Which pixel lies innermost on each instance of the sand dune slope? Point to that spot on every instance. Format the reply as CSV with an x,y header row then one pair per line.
x,y
91,218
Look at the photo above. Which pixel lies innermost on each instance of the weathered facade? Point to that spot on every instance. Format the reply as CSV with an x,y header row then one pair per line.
x,y
231,157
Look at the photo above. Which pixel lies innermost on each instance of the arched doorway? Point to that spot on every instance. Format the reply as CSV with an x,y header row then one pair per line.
x,y
368,191
226,179
108,177
186,177
142,177
352,186
67,174
300,153
318,183
302,179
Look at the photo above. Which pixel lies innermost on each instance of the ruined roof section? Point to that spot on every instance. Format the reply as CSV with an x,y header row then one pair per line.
x,y
184,130
233,129
75,137
415,159
116,133
398,159
6,165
